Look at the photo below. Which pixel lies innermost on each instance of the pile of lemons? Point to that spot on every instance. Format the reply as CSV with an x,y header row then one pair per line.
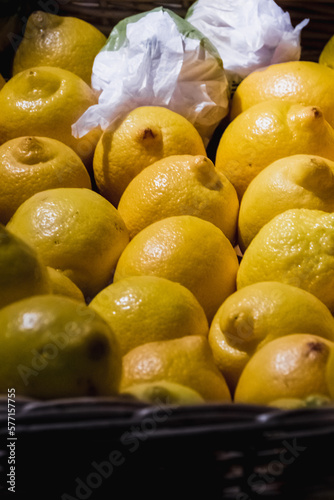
x,y
133,264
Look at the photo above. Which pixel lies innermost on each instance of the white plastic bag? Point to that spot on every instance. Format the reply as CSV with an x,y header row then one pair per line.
x,y
248,34
157,59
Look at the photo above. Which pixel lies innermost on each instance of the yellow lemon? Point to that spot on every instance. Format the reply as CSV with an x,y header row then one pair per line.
x,y
22,273
187,361
75,230
295,247
304,82
293,366
258,313
317,400
62,285
164,392
311,401
147,134
46,101
32,164
327,54
188,250
297,181
143,309
62,41
288,403
56,347
267,132
180,185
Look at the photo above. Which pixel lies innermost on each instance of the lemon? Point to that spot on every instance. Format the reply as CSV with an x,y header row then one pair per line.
x,y
180,185
327,54
304,82
147,134
317,400
295,247
188,250
311,401
293,366
288,403
45,101
62,285
22,273
74,230
163,392
143,309
258,313
55,347
297,181
32,164
63,41
187,361
269,131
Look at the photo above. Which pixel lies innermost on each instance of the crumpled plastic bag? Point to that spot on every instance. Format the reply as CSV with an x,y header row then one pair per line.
x,y
248,34
159,59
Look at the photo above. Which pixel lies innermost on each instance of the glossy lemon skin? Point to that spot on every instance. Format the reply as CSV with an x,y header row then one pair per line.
x,y
187,361
55,347
62,41
74,230
147,134
180,185
304,82
33,101
188,250
295,247
259,313
142,309
31,164
296,181
268,131
293,366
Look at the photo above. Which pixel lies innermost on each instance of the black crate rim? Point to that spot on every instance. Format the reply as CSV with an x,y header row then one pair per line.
x,y
217,447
